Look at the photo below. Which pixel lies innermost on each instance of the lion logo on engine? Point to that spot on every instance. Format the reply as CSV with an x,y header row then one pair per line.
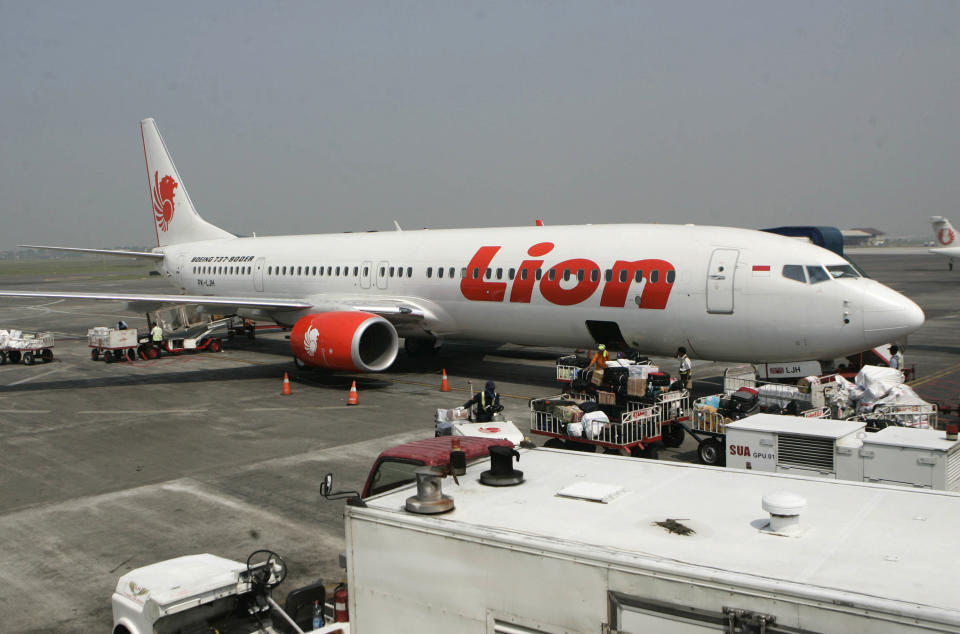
x,y
310,341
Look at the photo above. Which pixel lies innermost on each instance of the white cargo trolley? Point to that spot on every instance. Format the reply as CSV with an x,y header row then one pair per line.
x,y
639,427
113,344
29,347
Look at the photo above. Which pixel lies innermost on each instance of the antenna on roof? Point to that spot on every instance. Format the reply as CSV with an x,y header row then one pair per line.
x,y
397,225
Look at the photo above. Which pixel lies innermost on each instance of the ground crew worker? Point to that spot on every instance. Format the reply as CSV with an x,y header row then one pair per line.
x,y
156,334
896,358
686,369
485,403
599,360
122,325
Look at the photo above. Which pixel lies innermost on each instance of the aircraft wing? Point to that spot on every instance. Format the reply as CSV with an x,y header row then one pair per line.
x,y
406,314
162,299
113,252
952,252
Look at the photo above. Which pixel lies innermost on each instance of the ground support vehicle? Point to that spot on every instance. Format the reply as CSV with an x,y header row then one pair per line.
x,y
206,593
456,422
708,427
397,466
635,431
113,344
186,330
29,347
582,543
844,450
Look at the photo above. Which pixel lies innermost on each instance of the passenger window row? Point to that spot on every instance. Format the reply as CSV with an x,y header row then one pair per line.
x,y
653,276
790,271
222,270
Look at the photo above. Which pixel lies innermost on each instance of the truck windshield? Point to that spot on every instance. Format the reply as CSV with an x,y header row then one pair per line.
x,y
391,474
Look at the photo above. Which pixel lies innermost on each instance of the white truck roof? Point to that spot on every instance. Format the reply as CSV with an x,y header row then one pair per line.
x,y
878,547
799,425
913,437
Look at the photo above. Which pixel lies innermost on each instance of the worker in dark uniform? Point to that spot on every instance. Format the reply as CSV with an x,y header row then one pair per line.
x,y
686,369
485,404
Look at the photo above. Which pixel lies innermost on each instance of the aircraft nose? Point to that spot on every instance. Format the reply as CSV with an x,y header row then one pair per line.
x,y
888,315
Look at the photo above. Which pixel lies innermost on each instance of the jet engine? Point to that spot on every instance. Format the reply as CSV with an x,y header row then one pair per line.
x,y
349,340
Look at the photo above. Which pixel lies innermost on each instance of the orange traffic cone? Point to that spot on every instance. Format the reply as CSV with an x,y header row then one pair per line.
x,y
354,398
286,386
444,383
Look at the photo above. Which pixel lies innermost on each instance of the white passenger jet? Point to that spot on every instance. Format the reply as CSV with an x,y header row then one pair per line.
x,y
725,294
946,237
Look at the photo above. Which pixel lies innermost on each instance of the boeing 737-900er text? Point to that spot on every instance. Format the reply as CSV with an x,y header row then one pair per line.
x,y
725,294
946,238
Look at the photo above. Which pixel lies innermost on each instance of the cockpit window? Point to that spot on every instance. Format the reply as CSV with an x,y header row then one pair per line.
x,y
817,274
794,272
842,270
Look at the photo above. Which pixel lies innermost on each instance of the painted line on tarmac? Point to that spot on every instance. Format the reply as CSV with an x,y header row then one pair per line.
x,y
936,375
452,389
24,411
294,409
144,411
37,376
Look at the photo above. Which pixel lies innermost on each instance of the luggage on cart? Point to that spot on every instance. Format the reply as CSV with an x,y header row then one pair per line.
x,y
615,379
582,382
596,378
576,360
588,406
606,398
744,402
636,386
657,382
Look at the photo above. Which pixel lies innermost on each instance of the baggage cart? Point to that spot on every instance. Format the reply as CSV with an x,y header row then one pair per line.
x,y
637,429
114,344
28,347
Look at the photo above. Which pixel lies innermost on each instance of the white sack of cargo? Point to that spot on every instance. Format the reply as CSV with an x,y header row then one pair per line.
x,y
909,408
877,379
776,395
594,423
4,335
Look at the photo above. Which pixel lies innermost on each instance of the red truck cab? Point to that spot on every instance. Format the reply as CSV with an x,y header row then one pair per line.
x,y
397,466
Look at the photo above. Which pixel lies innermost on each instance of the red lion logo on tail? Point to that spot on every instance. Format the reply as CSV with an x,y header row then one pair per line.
x,y
163,200
946,236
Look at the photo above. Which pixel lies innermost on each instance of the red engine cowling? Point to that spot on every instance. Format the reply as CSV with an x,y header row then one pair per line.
x,y
351,340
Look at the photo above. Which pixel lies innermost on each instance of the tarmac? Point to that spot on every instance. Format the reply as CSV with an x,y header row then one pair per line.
x,y
109,467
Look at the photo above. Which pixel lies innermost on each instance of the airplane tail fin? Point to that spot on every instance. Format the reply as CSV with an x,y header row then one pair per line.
x,y
943,231
175,218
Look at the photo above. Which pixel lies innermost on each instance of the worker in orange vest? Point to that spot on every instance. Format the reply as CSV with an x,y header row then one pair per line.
x,y
599,360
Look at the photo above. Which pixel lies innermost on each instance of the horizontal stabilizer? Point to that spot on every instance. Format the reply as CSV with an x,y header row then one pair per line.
x,y
113,252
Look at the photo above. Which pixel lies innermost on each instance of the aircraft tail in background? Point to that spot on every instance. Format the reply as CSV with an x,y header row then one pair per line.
x,y
943,232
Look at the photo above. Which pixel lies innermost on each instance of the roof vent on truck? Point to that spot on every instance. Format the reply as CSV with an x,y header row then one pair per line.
x,y
784,508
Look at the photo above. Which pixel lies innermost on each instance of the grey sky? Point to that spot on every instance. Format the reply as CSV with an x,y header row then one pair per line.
x,y
332,116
